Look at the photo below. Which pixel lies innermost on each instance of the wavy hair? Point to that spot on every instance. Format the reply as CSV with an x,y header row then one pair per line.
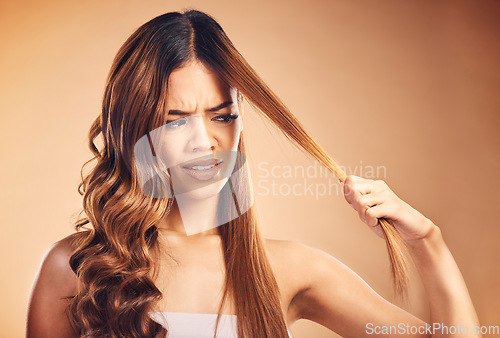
x,y
117,238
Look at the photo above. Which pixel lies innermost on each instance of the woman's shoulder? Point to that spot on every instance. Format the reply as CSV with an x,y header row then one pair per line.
x,y
58,253
292,250
55,282
305,273
55,268
297,258
307,263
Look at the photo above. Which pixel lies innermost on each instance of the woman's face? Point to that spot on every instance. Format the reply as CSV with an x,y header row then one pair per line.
x,y
199,142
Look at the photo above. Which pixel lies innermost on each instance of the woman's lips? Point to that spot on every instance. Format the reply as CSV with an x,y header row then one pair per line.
x,y
203,170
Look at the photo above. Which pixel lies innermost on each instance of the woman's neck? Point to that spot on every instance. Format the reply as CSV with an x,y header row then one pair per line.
x,y
190,217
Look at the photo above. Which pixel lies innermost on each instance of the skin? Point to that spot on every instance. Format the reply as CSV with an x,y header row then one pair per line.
x,y
194,130
197,132
313,284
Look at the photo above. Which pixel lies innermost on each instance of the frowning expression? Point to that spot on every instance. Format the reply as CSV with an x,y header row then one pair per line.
x,y
200,139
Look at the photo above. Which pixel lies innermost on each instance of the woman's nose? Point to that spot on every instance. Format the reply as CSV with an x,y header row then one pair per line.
x,y
200,138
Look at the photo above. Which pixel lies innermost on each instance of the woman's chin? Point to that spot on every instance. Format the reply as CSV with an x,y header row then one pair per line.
x,y
204,192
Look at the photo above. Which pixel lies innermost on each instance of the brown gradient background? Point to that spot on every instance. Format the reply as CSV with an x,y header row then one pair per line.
x,y
408,85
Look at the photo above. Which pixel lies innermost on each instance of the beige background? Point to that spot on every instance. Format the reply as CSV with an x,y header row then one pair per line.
x,y
408,86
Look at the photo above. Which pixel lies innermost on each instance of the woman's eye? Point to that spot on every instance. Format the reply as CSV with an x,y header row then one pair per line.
x,y
176,123
226,118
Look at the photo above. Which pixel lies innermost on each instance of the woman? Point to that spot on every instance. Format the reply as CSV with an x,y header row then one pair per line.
x,y
169,234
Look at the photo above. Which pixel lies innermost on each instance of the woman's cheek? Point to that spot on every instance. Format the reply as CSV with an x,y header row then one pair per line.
x,y
236,135
169,152
229,139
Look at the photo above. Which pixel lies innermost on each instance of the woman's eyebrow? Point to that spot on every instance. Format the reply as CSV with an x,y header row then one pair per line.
x,y
216,108
221,106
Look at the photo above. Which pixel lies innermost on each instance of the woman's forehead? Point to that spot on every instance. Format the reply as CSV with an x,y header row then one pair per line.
x,y
194,84
195,76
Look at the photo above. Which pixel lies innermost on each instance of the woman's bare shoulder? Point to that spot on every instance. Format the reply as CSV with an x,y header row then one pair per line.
x,y
299,266
310,265
58,254
297,260
293,251
64,246
54,284
55,268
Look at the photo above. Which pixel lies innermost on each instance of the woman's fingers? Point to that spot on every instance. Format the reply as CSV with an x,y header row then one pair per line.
x,y
366,202
373,199
370,198
354,189
372,214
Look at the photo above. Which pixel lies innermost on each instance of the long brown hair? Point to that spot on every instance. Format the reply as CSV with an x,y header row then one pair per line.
x,y
117,238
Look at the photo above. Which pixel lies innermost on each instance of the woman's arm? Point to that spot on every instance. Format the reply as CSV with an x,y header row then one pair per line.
x,y
334,296
54,282
449,300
